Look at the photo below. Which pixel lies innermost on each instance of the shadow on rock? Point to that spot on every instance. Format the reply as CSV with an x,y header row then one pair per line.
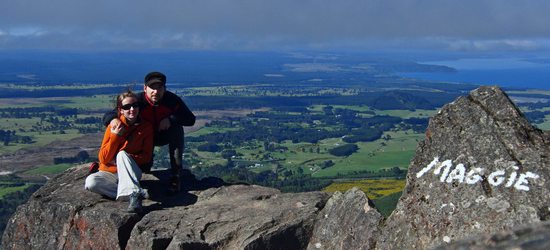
x,y
157,185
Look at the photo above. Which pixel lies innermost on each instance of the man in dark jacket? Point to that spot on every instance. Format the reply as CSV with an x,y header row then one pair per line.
x,y
168,113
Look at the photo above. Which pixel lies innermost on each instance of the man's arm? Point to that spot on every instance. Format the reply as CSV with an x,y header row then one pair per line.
x,y
182,115
107,117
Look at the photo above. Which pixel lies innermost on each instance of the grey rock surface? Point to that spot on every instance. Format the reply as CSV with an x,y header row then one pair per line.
x,y
481,169
62,215
532,237
232,217
348,221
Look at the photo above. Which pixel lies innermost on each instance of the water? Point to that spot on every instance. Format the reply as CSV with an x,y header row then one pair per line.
x,y
506,72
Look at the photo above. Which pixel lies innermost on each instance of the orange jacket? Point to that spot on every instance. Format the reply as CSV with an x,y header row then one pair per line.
x,y
137,141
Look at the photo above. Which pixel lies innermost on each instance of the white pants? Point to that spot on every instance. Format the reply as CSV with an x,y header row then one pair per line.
x,y
124,183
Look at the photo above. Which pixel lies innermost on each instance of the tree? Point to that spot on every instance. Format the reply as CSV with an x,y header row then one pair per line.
x,y
230,164
344,150
327,164
396,170
209,147
228,153
287,173
82,156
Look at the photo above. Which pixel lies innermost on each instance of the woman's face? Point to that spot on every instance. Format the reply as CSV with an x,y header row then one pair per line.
x,y
129,108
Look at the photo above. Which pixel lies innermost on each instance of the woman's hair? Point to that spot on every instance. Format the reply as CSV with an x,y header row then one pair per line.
x,y
121,96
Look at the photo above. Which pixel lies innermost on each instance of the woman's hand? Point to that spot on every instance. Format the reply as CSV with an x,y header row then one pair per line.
x,y
117,127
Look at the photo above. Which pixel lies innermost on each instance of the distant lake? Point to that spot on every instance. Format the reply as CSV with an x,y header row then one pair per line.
x,y
506,72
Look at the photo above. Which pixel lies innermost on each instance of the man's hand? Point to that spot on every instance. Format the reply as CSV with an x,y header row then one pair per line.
x,y
164,124
116,127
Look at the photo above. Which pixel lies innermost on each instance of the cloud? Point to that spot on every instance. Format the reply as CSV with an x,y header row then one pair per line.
x,y
489,45
263,24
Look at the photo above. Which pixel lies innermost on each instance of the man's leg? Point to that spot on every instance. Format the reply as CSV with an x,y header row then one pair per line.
x,y
174,138
175,147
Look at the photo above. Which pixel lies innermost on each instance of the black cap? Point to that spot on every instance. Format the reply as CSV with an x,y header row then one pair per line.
x,y
155,77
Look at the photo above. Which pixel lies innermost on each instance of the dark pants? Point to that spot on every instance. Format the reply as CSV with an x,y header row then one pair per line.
x,y
173,136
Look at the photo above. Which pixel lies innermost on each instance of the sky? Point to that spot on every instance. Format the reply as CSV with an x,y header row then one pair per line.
x,y
448,25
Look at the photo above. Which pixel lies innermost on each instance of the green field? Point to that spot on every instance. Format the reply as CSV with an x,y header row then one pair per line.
x,y
362,108
405,114
40,139
421,113
95,103
7,190
387,204
208,130
545,125
87,103
376,155
50,169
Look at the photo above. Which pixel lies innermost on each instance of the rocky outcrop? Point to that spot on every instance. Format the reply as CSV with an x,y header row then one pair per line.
x,y
481,169
232,217
62,215
532,237
348,221
480,179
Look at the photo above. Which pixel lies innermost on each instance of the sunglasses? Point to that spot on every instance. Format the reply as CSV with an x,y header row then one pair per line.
x,y
128,106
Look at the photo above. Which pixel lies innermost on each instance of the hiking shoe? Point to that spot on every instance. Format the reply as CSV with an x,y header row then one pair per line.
x,y
175,184
135,202
145,194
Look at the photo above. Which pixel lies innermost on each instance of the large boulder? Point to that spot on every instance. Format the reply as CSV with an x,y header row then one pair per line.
x,y
481,169
348,221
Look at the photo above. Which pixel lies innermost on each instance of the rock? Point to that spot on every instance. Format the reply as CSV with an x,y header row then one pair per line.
x,y
232,217
348,221
62,215
481,169
532,236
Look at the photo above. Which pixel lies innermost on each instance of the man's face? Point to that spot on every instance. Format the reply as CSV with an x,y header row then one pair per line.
x,y
154,92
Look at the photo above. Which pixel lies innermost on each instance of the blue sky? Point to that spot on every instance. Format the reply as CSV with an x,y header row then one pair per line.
x,y
457,25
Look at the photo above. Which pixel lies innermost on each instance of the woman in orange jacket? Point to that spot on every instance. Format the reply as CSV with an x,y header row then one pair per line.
x,y
124,149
